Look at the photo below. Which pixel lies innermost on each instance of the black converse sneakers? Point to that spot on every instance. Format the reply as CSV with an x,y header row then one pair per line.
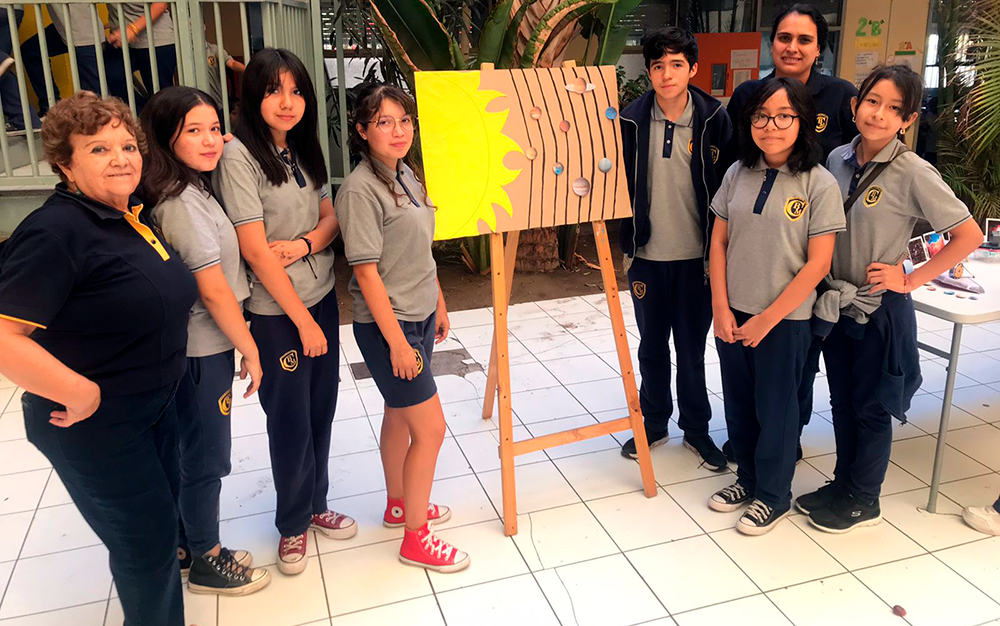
x,y
729,498
844,514
760,519
224,575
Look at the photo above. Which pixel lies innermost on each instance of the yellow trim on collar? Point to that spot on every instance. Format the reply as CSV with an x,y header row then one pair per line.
x,y
132,217
18,319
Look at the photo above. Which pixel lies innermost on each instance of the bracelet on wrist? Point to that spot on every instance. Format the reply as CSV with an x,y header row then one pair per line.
x,y
309,245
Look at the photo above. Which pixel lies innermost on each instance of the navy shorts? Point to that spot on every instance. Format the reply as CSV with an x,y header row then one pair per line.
x,y
399,393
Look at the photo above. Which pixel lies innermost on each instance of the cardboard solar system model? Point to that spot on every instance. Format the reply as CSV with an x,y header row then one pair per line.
x,y
509,150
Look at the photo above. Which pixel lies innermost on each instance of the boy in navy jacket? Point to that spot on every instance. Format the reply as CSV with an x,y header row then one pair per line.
x,y
671,138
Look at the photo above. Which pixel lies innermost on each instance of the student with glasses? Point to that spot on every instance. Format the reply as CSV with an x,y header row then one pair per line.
x,y
271,182
399,314
779,212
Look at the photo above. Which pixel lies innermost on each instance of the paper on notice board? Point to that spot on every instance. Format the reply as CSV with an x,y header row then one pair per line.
x,y
743,59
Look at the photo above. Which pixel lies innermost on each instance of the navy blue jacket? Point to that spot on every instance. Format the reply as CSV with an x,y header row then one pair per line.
x,y
712,132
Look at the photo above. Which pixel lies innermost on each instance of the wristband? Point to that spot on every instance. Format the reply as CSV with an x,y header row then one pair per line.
x,y
309,245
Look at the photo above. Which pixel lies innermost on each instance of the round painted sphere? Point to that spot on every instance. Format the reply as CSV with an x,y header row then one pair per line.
x,y
581,186
612,113
604,165
557,168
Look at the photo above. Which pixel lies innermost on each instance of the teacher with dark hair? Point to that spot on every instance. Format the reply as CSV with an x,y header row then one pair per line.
x,y
93,326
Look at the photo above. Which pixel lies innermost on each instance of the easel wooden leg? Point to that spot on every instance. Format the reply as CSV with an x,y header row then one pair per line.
x,y
499,273
624,358
510,257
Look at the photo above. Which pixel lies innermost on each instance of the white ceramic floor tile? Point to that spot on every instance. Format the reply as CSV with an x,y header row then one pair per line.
x,y
934,377
982,401
673,463
22,492
580,369
12,426
982,443
20,456
367,510
418,612
585,322
81,576
452,388
6,383
601,395
356,473
493,555
561,536
470,317
978,491
482,449
933,531
248,419
601,341
250,453
540,405
372,399
352,435
536,329
817,438
247,494
753,611
601,474
602,592
470,336
834,601
716,579
554,348
517,354
917,457
86,615
490,604
13,529
286,601
926,322
55,492
862,547
979,367
451,461
635,521
784,556
370,576
942,341
925,413
693,497
539,486
467,499
978,563
979,339
920,584
349,405
595,444
530,376
257,534
565,306
466,417
6,395
58,529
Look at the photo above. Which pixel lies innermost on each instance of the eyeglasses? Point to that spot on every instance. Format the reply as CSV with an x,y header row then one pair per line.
x,y
386,124
781,121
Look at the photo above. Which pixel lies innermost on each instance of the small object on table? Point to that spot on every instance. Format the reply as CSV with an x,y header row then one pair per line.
x,y
929,288
957,272
949,292
899,611
961,295
973,297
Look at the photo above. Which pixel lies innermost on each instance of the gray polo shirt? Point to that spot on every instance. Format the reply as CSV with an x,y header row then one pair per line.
x,y
217,59
79,16
163,28
396,233
772,214
194,225
881,220
675,226
288,212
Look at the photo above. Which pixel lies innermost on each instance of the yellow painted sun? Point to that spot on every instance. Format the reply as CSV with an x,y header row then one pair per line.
x,y
456,128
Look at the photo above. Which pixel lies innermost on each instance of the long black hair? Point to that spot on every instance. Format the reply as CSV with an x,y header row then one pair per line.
x,y
366,108
806,152
163,174
822,28
262,74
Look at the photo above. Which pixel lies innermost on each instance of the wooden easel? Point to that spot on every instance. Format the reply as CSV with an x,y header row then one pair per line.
x,y
498,377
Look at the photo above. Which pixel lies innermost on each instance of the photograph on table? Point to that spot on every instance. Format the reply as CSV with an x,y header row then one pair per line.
x,y
992,233
934,242
532,147
916,250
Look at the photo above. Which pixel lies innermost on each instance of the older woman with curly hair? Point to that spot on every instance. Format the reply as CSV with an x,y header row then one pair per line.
x,y
93,326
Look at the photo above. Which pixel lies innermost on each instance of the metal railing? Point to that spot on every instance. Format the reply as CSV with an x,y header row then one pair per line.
x,y
80,29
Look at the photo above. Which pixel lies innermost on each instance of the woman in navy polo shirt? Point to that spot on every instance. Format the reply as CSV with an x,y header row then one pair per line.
x,y
93,325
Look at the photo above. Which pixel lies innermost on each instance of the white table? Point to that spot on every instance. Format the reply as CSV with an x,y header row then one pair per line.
x,y
960,312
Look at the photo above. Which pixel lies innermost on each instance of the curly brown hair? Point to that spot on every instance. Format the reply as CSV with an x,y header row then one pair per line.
x,y
83,113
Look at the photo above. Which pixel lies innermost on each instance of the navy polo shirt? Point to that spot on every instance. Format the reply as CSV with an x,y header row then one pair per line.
x,y
107,296
832,96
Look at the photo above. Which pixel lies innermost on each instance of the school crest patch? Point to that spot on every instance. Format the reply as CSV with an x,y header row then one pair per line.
x,y
872,196
420,361
289,361
226,403
715,154
211,61
690,146
822,120
795,207
639,289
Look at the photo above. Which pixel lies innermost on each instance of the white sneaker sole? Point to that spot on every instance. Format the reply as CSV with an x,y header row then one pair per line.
x,y
442,569
714,468
245,590
756,531
339,534
655,444
721,507
291,569
875,521
441,520
980,524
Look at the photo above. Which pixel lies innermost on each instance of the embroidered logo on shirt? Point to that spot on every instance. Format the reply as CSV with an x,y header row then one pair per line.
x,y
289,361
821,122
715,154
211,61
795,207
872,196
226,402
639,289
420,361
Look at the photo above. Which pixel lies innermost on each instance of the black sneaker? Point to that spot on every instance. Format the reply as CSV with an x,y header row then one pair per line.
x,y
760,519
706,449
184,557
729,499
727,449
652,438
818,499
224,575
844,514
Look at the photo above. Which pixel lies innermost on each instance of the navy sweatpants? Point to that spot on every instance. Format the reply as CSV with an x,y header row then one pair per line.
x,y
299,396
760,391
672,296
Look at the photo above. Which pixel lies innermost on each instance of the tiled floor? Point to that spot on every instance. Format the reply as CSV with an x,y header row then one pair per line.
x,y
591,549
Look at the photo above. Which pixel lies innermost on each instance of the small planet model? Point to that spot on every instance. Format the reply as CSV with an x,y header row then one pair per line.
x,y
535,113
557,168
564,126
604,165
531,153
581,186
611,113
